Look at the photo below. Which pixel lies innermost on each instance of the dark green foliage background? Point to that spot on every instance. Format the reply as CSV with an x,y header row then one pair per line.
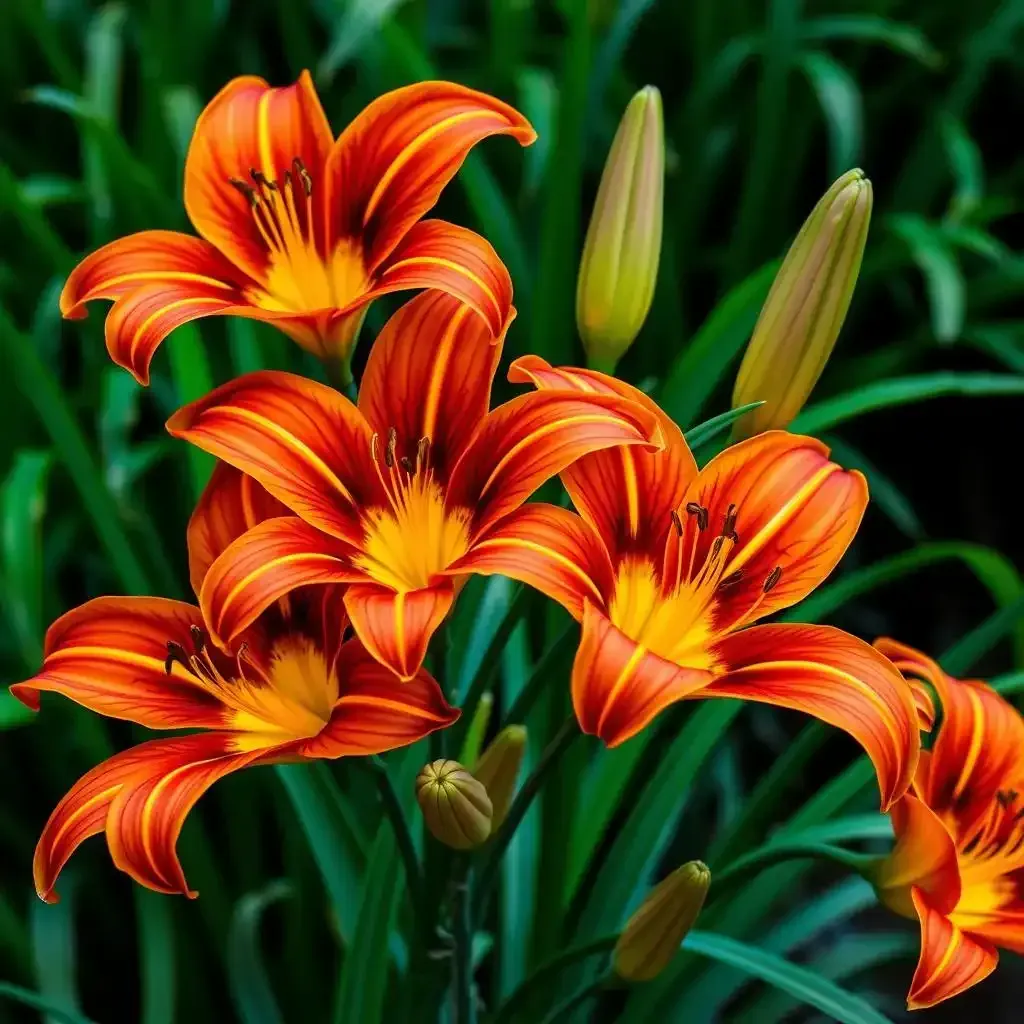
x,y
765,103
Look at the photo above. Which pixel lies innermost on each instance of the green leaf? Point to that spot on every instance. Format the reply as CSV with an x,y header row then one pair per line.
x,y
884,394
969,649
360,20
37,383
190,371
53,949
799,982
22,504
333,835
842,106
157,957
538,100
364,972
843,900
966,163
943,278
701,365
52,1011
870,28
712,428
251,990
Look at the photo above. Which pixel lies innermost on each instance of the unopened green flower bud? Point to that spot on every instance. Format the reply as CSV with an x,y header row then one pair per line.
x,y
498,769
455,806
623,244
653,934
805,309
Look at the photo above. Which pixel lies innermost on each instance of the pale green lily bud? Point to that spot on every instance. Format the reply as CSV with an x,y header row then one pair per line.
x,y
805,309
620,255
498,769
455,806
652,935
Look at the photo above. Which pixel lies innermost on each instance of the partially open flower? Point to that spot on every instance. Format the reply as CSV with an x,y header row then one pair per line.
x,y
653,934
805,309
498,769
455,806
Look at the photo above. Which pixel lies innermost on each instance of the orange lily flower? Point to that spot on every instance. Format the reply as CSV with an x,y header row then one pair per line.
x,y
303,229
291,690
389,494
667,567
958,863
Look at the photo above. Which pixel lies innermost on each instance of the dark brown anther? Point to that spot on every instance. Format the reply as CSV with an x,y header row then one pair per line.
x,y
262,180
389,452
693,509
246,189
676,522
287,178
729,522
198,639
716,547
772,579
731,580
303,175
422,452
407,464
175,653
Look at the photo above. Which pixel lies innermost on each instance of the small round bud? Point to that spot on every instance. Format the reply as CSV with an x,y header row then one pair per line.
x,y
455,806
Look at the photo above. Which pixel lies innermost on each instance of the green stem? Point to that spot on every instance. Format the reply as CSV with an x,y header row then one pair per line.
x,y
462,953
550,968
774,853
393,812
495,849
602,363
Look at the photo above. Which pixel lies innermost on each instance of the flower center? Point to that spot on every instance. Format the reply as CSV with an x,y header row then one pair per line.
x,y
671,612
298,277
289,698
415,537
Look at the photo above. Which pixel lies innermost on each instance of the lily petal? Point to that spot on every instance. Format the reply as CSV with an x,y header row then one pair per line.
x,y
110,655
396,628
455,260
530,439
924,857
250,126
979,743
628,494
951,961
377,712
835,677
391,163
263,565
230,504
141,797
618,686
795,510
548,548
304,442
429,375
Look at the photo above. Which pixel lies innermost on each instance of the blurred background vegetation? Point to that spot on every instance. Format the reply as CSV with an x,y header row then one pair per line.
x,y
766,101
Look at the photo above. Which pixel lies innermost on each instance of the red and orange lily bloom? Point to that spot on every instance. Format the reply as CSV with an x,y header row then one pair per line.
x,y
388,496
303,229
666,568
958,863
290,690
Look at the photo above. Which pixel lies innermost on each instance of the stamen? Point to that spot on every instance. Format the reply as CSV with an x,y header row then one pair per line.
x,y
694,509
198,638
175,653
407,464
374,443
262,180
772,579
729,525
422,452
303,175
247,190
389,452
676,522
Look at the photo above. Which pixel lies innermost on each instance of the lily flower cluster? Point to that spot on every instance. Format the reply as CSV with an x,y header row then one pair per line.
x,y
335,534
